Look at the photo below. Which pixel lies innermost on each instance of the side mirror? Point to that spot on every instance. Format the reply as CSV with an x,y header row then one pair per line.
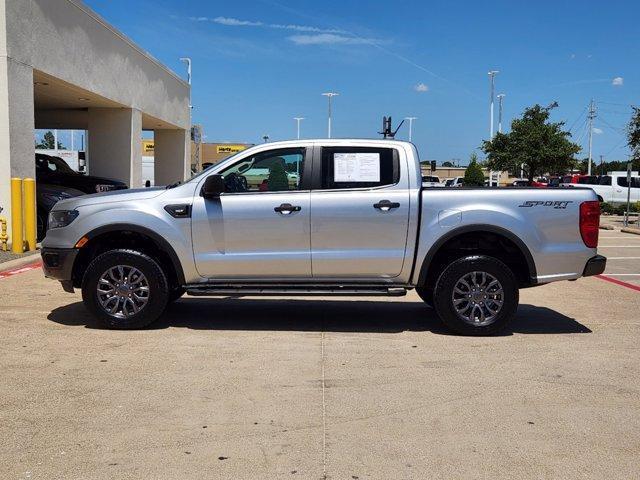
x,y
213,186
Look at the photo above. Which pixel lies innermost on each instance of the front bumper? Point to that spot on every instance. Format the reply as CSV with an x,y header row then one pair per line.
x,y
57,263
595,266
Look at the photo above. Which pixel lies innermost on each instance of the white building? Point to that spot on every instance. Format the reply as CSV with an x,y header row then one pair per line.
x,y
63,66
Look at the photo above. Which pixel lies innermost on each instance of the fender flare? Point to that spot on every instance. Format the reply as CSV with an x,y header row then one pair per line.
x,y
159,240
533,276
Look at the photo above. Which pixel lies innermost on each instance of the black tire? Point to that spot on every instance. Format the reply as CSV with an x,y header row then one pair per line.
x,y
476,325
175,294
426,294
156,280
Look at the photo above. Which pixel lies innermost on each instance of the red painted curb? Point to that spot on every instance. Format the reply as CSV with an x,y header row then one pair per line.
x,y
22,269
619,282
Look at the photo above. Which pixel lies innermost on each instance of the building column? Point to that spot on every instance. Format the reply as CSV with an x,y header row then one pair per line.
x,y
172,156
17,157
114,146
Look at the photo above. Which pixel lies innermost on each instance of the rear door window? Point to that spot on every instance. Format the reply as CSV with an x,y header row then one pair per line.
x,y
358,167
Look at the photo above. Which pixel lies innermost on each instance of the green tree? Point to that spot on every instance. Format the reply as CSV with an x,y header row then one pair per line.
x,y
48,142
541,145
448,164
473,175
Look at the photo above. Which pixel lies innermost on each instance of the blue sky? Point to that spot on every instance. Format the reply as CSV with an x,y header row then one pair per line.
x,y
258,64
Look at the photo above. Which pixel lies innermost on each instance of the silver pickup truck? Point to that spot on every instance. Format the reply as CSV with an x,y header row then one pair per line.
x,y
321,217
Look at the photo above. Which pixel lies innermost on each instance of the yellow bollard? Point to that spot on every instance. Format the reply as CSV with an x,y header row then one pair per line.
x,y
30,226
17,244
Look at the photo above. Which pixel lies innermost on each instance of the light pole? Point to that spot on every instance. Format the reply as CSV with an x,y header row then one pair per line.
x,y
298,120
411,119
329,96
500,97
492,75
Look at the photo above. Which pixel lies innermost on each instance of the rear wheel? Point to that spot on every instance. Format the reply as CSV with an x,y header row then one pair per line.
x,y
476,295
125,289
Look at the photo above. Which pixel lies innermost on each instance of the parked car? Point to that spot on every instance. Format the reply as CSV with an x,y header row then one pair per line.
x,y
55,171
431,181
455,182
613,189
358,214
46,198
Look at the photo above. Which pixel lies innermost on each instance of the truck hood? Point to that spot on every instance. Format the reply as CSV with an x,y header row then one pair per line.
x,y
128,195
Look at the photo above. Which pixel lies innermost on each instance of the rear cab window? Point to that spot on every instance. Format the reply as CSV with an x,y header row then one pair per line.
x,y
358,167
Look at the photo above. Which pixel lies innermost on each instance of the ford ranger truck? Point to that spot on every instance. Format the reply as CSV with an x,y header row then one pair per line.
x,y
321,217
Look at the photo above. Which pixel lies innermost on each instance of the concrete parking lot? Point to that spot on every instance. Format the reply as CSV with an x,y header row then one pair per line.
x,y
342,389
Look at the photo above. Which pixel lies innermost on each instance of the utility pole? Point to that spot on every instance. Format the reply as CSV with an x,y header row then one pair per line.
x,y
265,137
298,120
601,165
591,116
500,97
329,96
411,119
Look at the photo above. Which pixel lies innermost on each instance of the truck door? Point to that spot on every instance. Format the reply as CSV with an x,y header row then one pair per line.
x,y
359,212
258,228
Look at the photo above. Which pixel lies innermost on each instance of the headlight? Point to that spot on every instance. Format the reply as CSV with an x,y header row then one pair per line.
x,y
104,187
62,218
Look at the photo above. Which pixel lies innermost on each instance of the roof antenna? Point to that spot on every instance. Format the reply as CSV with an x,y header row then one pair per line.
x,y
387,131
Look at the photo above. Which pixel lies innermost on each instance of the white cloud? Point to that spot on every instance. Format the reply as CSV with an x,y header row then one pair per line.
x,y
597,131
234,22
617,82
329,39
421,87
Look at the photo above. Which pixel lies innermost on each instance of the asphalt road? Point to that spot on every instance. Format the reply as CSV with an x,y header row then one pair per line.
x,y
623,255
305,388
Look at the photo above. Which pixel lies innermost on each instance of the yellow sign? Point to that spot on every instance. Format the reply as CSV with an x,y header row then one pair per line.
x,y
229,148
147,147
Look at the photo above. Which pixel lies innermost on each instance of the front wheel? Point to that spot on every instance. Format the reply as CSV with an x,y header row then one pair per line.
x,y
476,295
125,289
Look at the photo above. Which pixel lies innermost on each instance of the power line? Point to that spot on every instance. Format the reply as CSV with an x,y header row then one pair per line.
x,y
576,120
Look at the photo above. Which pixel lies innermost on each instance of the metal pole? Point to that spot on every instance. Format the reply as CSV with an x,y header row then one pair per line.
x,y
500,97
626,215
492,75
329,95
72,145
298,120
55,139
592,115
411,119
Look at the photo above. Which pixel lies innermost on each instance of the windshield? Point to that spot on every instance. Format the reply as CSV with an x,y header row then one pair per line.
x,y
53,164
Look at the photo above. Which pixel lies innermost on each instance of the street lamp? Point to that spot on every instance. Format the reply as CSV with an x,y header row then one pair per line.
x,y
500,96
492,74
298,120
411,119
329,96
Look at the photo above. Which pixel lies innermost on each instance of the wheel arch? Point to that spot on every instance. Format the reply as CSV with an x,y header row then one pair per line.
x,y
469,231
105,232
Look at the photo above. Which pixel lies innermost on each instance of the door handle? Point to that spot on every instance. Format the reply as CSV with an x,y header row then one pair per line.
x,y
386,205
286,209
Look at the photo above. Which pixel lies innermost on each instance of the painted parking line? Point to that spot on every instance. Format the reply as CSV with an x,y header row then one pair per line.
x,y
619,282
623,258
16,271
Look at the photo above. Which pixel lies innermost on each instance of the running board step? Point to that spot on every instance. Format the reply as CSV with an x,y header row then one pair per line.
x,y
210,290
